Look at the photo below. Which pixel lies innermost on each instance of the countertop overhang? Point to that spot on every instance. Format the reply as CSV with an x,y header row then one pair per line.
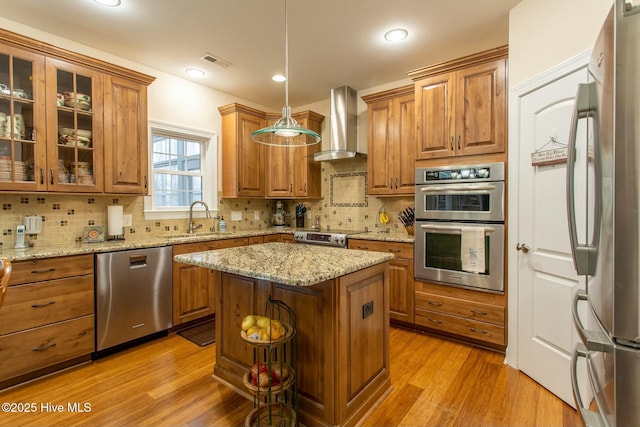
x,y
287,263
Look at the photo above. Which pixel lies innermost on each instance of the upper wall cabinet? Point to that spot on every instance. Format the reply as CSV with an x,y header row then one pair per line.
x,y
461,106
242,158
22,120
69,123
251,169
391,154
125,136
291,172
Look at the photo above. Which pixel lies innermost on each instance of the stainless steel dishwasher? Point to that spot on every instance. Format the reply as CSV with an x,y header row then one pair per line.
x,y
133,295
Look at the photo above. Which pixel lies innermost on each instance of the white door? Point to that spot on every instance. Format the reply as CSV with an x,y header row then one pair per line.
x,y
546,278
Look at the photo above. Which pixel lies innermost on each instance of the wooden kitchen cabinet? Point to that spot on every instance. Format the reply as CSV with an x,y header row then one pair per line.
x,y
47,319
473,316
84,119
401,282
22,155
251,169
193,290
292,172
461,106
74,165
125,136
243,159
391,153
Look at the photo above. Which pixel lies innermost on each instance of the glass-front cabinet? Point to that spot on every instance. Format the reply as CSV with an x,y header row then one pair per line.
x,y
22,121
74,128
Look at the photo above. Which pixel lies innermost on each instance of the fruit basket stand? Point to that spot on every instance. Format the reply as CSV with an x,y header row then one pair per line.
x,y
272,378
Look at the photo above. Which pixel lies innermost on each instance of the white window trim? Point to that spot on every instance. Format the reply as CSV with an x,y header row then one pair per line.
x,y
210,173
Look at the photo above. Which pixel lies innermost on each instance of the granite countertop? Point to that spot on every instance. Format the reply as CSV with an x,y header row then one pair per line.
x,y
286,263
49,251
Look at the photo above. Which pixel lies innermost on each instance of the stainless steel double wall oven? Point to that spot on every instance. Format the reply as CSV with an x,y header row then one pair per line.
x,y
452,201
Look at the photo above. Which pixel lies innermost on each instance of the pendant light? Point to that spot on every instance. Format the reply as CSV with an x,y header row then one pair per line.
x,y
286,132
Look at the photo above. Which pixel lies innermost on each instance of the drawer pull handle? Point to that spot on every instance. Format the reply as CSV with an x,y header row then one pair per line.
x,y
479,312
83,333
44,270
434,320
362,247
478,331
44,346
435,303
46,304
394,250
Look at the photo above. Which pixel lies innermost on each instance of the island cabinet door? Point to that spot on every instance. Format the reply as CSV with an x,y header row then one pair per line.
x,y
313,307
363,345
238,296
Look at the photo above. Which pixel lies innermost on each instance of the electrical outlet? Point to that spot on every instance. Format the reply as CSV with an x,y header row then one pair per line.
x,y
128,220
367,309
256,214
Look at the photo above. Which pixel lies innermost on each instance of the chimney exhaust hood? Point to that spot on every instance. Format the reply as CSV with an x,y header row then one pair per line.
x,y
344,126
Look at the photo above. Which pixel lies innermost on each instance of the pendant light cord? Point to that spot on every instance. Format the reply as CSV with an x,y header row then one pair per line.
x,y
286,57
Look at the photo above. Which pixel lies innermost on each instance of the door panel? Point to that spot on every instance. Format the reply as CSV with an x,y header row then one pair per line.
x,y
547,279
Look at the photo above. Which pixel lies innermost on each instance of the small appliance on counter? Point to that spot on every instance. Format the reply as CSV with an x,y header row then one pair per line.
x,y
300,211
280,218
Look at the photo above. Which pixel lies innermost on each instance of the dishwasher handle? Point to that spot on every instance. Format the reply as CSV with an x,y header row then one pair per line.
x,y
138,261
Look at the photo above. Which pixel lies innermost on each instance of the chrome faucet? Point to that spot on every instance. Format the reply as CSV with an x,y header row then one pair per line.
x,y
192,226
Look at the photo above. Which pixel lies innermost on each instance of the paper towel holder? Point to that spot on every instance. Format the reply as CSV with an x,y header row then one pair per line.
x,y
115,222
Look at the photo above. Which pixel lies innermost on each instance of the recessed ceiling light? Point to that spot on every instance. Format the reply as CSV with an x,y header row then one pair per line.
x,y
278,78
396,34
195,72
109,2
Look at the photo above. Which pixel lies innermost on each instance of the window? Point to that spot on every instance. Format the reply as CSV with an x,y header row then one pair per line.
x,y
182,171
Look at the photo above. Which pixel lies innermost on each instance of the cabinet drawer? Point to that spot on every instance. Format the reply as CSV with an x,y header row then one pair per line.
x,y
37,304
400,250
38,270
481,331
30,350
460,307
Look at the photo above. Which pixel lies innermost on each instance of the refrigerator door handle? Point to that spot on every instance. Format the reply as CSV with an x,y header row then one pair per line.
x,y
586,105
590,418
593,340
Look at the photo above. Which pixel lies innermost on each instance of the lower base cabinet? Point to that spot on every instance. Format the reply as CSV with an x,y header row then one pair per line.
x,y
47,320
401,282
474,316
193,291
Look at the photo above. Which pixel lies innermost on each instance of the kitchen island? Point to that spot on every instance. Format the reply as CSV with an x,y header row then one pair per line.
x,y
340,300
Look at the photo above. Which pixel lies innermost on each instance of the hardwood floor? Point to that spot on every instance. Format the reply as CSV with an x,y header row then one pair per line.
x,y
167,382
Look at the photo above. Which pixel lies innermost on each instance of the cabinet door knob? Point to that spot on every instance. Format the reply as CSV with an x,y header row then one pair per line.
x,y
522,247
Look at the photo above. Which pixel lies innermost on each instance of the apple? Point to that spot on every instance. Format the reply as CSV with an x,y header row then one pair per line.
x,y
280,373
248,322
258,368
263,379
274,379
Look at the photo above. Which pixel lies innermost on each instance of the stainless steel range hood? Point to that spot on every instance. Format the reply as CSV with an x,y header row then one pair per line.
x,y
344,126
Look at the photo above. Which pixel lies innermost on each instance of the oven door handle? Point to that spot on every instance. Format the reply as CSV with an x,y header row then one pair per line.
x,y
462,188
450,229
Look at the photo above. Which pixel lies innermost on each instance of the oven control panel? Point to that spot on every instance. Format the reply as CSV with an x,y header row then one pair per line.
x,y
462,173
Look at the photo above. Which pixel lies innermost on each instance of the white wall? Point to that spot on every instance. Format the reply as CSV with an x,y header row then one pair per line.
x,y
544,33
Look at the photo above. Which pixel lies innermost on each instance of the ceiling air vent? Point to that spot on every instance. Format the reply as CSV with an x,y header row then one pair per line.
x,y
215,60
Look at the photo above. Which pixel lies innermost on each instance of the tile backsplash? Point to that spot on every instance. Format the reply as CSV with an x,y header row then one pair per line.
x,y
344,205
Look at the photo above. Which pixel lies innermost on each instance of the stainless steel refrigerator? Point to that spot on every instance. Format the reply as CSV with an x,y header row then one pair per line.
x,y
606,246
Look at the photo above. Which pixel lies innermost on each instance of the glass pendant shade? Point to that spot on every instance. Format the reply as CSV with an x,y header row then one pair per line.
x,y
286,132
